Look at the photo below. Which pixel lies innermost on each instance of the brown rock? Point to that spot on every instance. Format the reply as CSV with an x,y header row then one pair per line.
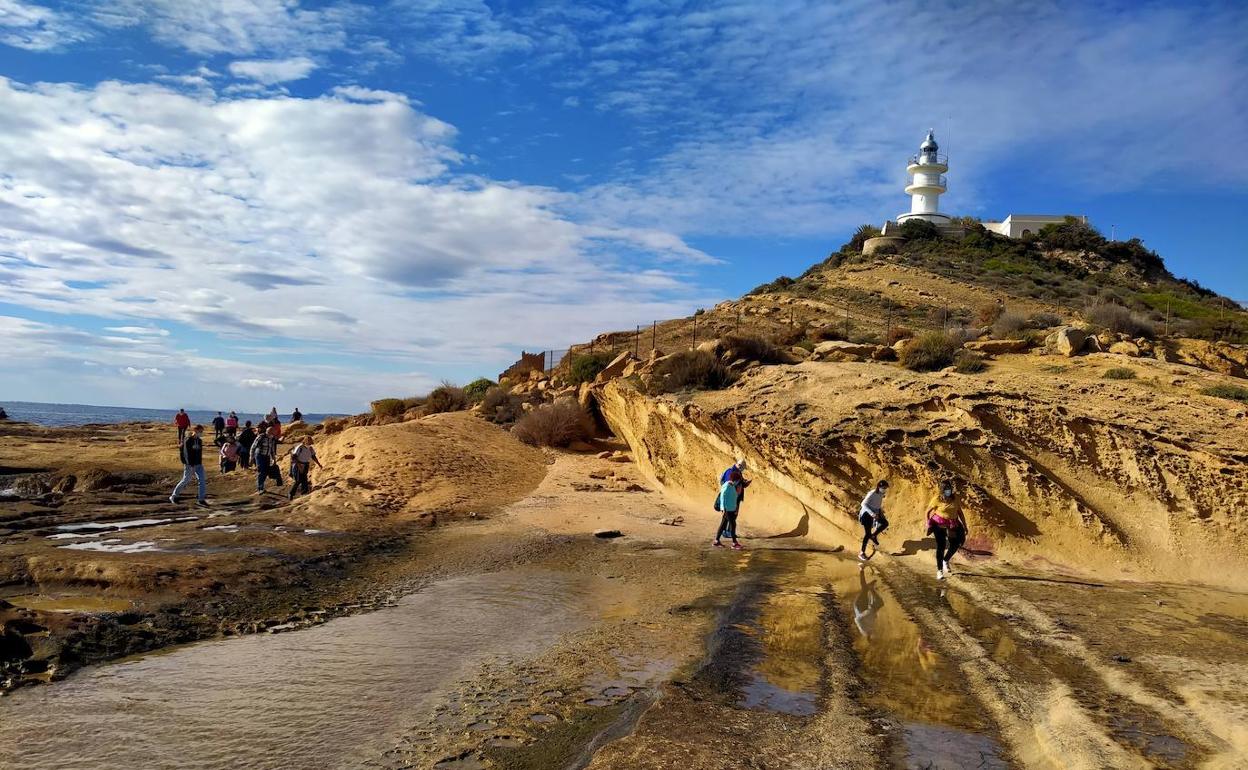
x,y
998,347
1125,349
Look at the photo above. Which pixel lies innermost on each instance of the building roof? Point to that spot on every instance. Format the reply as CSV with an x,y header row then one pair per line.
x,y
930,142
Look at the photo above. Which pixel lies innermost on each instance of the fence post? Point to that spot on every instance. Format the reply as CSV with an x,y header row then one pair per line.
x,y
847,323
637,342
654,335
695,332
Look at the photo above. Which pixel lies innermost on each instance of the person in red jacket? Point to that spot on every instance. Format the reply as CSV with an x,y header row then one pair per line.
x,y
183,421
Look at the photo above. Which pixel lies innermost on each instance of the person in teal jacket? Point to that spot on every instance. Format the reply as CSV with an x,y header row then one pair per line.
x,y
728,503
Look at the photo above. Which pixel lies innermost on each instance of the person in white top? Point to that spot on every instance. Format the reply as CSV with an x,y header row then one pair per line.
x,y
871,517
302,457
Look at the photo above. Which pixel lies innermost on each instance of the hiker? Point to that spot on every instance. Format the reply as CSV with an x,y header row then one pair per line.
x,y
302,457
728,503
245,439
183,421
946,522
3,414
229,455
275,427
218,428
192,455
296,415
739,467
871,517
264,455
231,424
272,415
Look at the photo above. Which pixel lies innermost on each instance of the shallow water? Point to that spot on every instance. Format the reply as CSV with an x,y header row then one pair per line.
x,y
325,697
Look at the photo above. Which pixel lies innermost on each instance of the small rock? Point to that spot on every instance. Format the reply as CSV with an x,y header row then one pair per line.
x,y
604,455
607,534
1120,658
672,521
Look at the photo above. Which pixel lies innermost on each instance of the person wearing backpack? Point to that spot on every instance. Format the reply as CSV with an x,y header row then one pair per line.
x,y
728,503
264,455
947,524
218,428
246,438
229,454
302,457
192,455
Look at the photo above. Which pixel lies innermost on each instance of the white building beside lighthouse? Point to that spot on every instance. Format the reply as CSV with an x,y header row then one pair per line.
x,y
926,182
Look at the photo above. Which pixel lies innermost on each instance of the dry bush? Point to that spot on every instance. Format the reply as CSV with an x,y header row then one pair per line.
x,y
500,406
750,348
966,362
1120,320
386,408
897,334
987,314
446,398
1119,373
931,351
1233,392
689,370
829,333
1044,320
788,336
553,425
1007,325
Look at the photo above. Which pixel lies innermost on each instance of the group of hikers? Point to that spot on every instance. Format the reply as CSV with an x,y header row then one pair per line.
x,y
944,518
249,447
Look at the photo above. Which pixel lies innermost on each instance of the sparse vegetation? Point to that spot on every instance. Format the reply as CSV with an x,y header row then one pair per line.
x,y
388,407
553,425
500,406
750,348
1044,320
585,367
778,285
689,370
897,334
1119,373
966,362
1120,320
447,397
860,237
1233,392
931,351
1008,325
919,230
476,390
987,314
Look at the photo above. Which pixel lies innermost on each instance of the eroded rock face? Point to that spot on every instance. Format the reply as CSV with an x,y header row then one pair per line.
x,y
1071,473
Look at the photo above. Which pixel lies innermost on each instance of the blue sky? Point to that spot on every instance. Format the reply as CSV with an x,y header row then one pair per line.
x,y
233,203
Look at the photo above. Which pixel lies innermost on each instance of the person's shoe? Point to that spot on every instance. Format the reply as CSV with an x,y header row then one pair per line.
x,y
173,499
948,570
738,547
862,556
940,575
875,539
717,544
202,503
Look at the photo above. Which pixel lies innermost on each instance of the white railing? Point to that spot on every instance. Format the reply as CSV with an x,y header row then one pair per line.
x,y
940,159
941,182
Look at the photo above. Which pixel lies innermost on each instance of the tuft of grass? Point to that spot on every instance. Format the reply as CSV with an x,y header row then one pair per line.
x,y
1119,373
1007,325
1120,320
750,348
388,407
966,362
689,370
446,398
1233,392
553,425
931,351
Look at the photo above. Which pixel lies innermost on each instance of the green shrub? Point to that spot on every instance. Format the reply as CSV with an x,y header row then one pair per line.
x,y
446,398
585,367
860,237
919,230
773,287
499,405
931,351
1120,320
1233,392
689,370
415,402
476,390
966,362
750,348
1119,373
388,407
553,425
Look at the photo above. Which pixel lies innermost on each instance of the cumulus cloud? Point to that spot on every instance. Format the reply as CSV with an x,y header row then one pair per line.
x,y
270,71
255,384
150,371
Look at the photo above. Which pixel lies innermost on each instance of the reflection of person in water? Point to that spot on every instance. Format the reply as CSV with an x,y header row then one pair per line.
x,y
866,605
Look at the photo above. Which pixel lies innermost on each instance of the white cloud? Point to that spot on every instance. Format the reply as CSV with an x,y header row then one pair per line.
x,y
36,27
254,384
150,371
270,71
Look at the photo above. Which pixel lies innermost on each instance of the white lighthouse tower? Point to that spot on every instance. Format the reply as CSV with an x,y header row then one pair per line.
x,y
927,182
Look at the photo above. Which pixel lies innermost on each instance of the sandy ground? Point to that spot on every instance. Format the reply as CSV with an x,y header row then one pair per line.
x,y
787,655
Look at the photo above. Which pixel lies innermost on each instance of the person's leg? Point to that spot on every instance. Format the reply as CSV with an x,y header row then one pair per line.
x,y
732,525
262,472
723,525
941,534
881,524
957,537
203,483
186,479
865,521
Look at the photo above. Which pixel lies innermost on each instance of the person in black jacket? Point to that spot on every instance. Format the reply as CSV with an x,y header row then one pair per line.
x,y
192,455
245,440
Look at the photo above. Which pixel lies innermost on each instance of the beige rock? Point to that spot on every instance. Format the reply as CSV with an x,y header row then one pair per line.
x,y
1125,349
800,353
1067,341
615,368
840,350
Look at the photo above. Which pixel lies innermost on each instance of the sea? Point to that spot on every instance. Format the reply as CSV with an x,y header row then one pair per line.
x,y
56,415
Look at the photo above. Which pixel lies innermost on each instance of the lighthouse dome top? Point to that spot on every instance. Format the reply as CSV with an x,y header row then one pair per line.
x,y
930,142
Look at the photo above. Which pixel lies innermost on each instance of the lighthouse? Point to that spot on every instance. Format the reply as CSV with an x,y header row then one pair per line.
x,y
927,182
